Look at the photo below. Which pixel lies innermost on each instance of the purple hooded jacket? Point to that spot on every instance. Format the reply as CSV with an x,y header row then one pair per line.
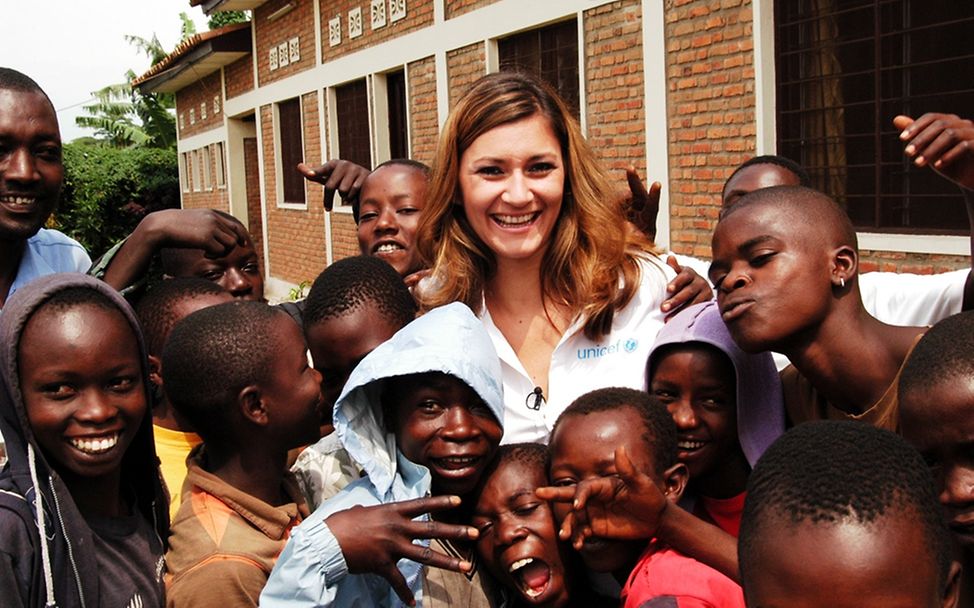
x,y
760,407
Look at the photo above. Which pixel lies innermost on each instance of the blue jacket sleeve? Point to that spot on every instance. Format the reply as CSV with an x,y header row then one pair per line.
x,y
307,571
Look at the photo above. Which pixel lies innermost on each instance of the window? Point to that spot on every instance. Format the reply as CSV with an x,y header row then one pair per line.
x,y
352,110
291,146
184,171
844,70
197,171
396,98
549,52
221,175
207,163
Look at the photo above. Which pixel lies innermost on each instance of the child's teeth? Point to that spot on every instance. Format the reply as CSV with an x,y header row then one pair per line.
x,y
387,248
18,200
520,564
95,446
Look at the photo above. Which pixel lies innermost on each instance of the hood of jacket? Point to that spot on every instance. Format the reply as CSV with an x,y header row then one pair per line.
x,y
760,406
28,473
449,339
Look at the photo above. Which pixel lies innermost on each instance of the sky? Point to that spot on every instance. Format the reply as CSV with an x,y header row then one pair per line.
x,y
74,47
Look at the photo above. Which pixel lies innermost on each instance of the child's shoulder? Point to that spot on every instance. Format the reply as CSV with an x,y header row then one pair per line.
x,y
663,572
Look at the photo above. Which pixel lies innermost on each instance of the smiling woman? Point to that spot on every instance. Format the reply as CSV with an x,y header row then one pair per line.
x,y
521,225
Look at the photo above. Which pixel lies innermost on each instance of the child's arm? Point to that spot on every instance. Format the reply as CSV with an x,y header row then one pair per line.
x,y
187,228
361,540
630,506
945,142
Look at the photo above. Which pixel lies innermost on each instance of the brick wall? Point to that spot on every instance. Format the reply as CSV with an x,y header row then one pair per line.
x,y
615,109
710,100
919,263
455,8
424,126
296,239
239,76
199,98
299,22
463,67
419,14
344,240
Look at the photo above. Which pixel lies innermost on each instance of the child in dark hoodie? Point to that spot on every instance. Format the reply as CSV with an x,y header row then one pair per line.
x,y
82,506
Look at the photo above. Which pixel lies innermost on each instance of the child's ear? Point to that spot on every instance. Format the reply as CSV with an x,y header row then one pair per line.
x,y
675,481
952,590
845,265
252,405
155,370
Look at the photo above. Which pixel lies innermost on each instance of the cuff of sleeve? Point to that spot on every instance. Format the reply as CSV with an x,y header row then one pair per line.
x,y
328,551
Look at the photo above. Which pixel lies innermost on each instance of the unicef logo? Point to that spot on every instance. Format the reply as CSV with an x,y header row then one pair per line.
x,y
631,345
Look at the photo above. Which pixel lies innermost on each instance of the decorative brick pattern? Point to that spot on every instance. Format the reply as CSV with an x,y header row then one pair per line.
x,y
190,98
463,67
300,23
455,8
296,237
615,108
419,14
424,128
710,99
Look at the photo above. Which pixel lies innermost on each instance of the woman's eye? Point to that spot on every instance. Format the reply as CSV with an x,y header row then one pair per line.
x,y
541,168
489,171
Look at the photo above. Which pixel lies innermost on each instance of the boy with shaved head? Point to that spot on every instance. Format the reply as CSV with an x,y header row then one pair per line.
x,y
785,269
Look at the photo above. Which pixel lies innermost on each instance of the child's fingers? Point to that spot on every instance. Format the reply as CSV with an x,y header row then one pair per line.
x,y
435,529
395,578
922,137
959,150
602,489
624,467
556,494
426,555
915,126
636,187
901,122
428,504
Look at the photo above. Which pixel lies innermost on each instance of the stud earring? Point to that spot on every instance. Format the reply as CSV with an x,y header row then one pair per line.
x,y
841,282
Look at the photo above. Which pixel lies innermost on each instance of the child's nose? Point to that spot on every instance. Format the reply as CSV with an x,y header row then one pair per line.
x,y
510,531
958,487
682,414
387,220
96,407
459,424
237,283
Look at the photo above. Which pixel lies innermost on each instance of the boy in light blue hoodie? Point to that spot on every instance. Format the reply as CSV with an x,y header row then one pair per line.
x,y
421,416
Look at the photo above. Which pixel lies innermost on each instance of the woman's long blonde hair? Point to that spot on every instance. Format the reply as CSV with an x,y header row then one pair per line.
x,y
591,264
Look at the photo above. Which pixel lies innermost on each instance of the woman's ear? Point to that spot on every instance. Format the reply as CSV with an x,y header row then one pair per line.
x,y
675,481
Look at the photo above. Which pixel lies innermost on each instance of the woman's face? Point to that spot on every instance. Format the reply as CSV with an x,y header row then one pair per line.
x,y
512,179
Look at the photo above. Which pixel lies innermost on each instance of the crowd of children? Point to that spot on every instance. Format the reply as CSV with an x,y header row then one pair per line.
x,y
510,399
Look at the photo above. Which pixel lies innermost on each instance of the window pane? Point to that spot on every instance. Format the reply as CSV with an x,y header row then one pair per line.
x,y
396,93
354,139
844,70
551,53
292,150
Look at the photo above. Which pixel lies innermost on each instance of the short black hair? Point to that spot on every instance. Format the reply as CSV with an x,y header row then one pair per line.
x,y
422,168
660,435
831,472
945,354
213,354
351,284
173,260
12,80
156,310
817,209
531,455
73,297
804,179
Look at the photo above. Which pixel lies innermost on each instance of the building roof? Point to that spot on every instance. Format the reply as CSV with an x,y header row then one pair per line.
x,y
198,56
213,6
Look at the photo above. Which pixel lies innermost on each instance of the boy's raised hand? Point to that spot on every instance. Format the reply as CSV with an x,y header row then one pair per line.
x,y
687,289
625,506
643,205
942,141
202,229
373,539
342,176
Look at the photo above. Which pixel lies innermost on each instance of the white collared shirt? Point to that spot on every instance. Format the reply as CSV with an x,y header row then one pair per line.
x,y
580,365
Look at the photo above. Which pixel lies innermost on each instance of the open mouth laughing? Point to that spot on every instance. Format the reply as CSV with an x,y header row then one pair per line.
x,y
515,221
94,446
532,575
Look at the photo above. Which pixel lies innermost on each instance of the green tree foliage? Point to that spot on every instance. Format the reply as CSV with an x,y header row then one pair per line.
x,y
108,190
218,20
